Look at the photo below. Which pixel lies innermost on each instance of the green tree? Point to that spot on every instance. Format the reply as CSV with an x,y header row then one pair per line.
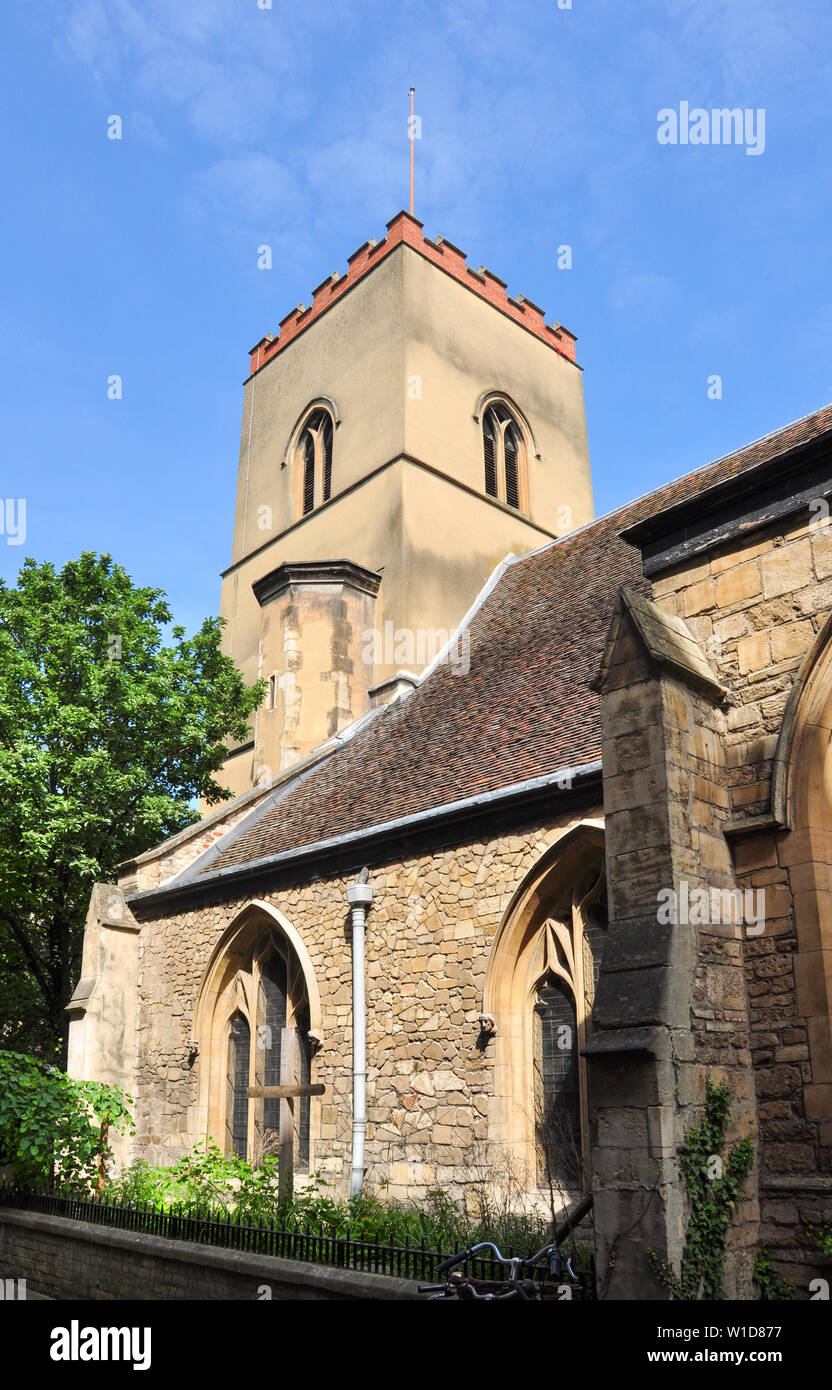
x,y
111,723
54,1128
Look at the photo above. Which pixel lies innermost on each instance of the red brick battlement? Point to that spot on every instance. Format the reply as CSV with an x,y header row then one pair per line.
x,y
404,228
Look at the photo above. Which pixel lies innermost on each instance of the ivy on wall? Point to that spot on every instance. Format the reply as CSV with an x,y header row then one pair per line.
x,y
712,1186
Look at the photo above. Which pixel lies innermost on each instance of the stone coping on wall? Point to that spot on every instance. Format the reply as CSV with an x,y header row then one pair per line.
x,y
799,1182
305,1279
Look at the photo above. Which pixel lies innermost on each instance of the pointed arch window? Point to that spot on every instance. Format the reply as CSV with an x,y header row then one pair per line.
x,y
571,947
283,1054
313,461
539,996
254,1029
237,1076
571,944
271,1023
504,453
558,1103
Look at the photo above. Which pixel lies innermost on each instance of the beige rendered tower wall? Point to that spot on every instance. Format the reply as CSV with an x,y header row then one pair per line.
x,y
404,351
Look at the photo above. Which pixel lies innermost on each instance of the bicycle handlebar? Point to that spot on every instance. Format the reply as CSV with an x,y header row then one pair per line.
x,y
515,1262
564,1229
451,1261
473,1250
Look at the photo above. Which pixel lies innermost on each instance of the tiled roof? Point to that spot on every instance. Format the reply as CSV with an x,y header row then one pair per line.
x,y
524,708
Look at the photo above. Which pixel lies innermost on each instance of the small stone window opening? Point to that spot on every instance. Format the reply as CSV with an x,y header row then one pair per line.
x,y
504,455
314,460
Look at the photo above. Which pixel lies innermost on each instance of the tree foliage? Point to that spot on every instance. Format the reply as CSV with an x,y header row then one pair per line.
x,y
111,723
53,1128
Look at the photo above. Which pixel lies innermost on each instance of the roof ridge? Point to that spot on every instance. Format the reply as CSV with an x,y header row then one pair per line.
x,y
645,496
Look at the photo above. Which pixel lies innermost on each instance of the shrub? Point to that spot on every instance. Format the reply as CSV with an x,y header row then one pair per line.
x,y
821,1237
209,1179
55,1128
773,1287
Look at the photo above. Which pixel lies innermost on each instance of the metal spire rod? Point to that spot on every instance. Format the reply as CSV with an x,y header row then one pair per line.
x,y
412,146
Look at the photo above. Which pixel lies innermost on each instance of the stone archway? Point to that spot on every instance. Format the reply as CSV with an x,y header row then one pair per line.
x,y
234,986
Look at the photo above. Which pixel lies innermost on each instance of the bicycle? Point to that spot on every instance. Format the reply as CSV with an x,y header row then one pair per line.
x,y
535,1279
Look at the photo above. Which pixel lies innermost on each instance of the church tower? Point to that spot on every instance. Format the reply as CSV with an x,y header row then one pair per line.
x,y
400,437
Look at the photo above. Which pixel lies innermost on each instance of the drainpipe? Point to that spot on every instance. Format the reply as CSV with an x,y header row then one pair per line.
x,y
359,897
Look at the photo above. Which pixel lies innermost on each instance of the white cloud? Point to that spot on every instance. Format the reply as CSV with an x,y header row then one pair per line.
x,y
749,41
225,70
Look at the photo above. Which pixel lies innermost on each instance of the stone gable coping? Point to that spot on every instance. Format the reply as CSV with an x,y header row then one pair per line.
x,y
668,642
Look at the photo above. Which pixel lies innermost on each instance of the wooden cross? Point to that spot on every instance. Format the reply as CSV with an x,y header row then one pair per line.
x,y
283,1092
286,1092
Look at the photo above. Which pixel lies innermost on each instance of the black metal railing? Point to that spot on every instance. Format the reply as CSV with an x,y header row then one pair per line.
x,y
230,1231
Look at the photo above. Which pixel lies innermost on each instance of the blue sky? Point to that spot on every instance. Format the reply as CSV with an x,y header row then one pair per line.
x,y
288,126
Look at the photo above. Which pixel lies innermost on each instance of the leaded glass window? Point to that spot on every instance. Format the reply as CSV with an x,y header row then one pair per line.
x,y
556,1058
270,1023
237,1069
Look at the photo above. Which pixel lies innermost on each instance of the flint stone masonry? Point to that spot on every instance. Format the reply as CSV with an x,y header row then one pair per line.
x,y
78,1260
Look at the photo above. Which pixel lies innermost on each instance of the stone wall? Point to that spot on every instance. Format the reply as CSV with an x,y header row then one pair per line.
x,y
79,1260
759,606
671,1008
430,1078
756,606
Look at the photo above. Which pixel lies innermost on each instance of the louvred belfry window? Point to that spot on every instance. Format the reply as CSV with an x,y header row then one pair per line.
x,y
510,452
504,455
490,447
314,459
308,472
327,448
